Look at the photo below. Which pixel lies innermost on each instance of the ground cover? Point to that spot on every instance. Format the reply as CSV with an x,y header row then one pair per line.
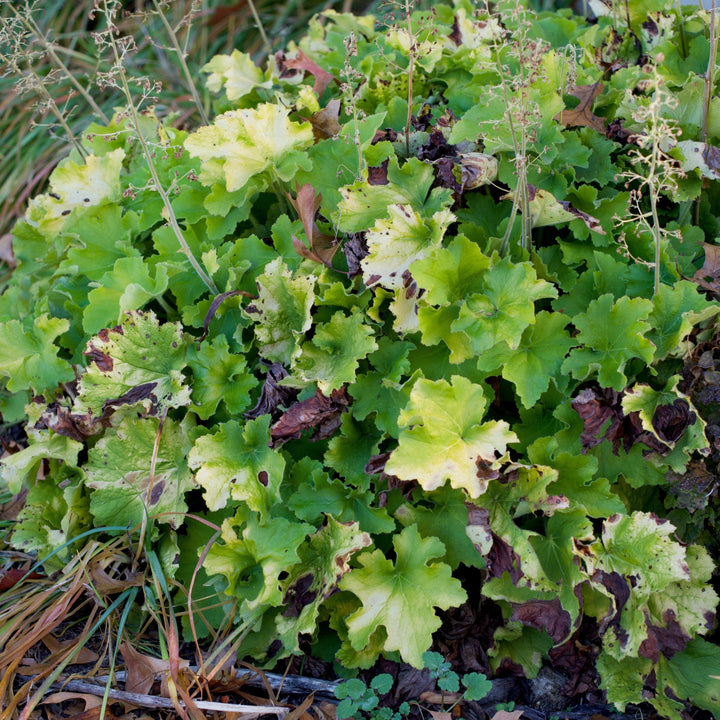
x,y
411,346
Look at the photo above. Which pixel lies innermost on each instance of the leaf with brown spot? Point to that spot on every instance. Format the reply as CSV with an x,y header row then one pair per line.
x,y
582,114
322,247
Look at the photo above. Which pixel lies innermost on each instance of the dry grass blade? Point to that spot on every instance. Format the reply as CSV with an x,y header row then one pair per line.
x,y
36,611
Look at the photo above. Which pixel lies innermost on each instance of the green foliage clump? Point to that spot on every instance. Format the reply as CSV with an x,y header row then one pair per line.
x,y
419,296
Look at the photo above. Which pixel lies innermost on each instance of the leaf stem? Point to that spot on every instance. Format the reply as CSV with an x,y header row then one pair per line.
x,y
181,58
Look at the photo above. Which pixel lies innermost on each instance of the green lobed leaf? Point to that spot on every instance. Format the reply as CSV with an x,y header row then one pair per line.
x,y
400,596
219,376
281,311
331,357
29,358
235,462
537,359
611,334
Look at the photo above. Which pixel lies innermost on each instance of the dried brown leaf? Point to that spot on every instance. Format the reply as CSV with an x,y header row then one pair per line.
x,y
708,276
322,247
582,114
319,412
142,669
325,122
547,615
507,715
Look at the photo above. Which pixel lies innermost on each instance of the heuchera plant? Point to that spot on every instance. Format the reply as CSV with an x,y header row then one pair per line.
x,y
389,349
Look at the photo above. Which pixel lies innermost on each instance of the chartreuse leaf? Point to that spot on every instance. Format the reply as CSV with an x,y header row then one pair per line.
x,y
331,357
537,359
281,311
128,286
236,462
401,596
219,377
396,242
254,553
445,436
139,360
74,185
324,559
451,273
241,144
28,357
131,479
340,606
610,335
237,74
21,467
364,204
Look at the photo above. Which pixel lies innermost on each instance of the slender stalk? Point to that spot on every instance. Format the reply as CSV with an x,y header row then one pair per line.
x,y
48,47
411,72
657,236
172,218
709,74
258,22
183,64
151,483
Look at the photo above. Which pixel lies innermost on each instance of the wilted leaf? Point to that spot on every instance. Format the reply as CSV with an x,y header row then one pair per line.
x,y
708,276
325,121
319,412
142,669
322,247
582,114
236,462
